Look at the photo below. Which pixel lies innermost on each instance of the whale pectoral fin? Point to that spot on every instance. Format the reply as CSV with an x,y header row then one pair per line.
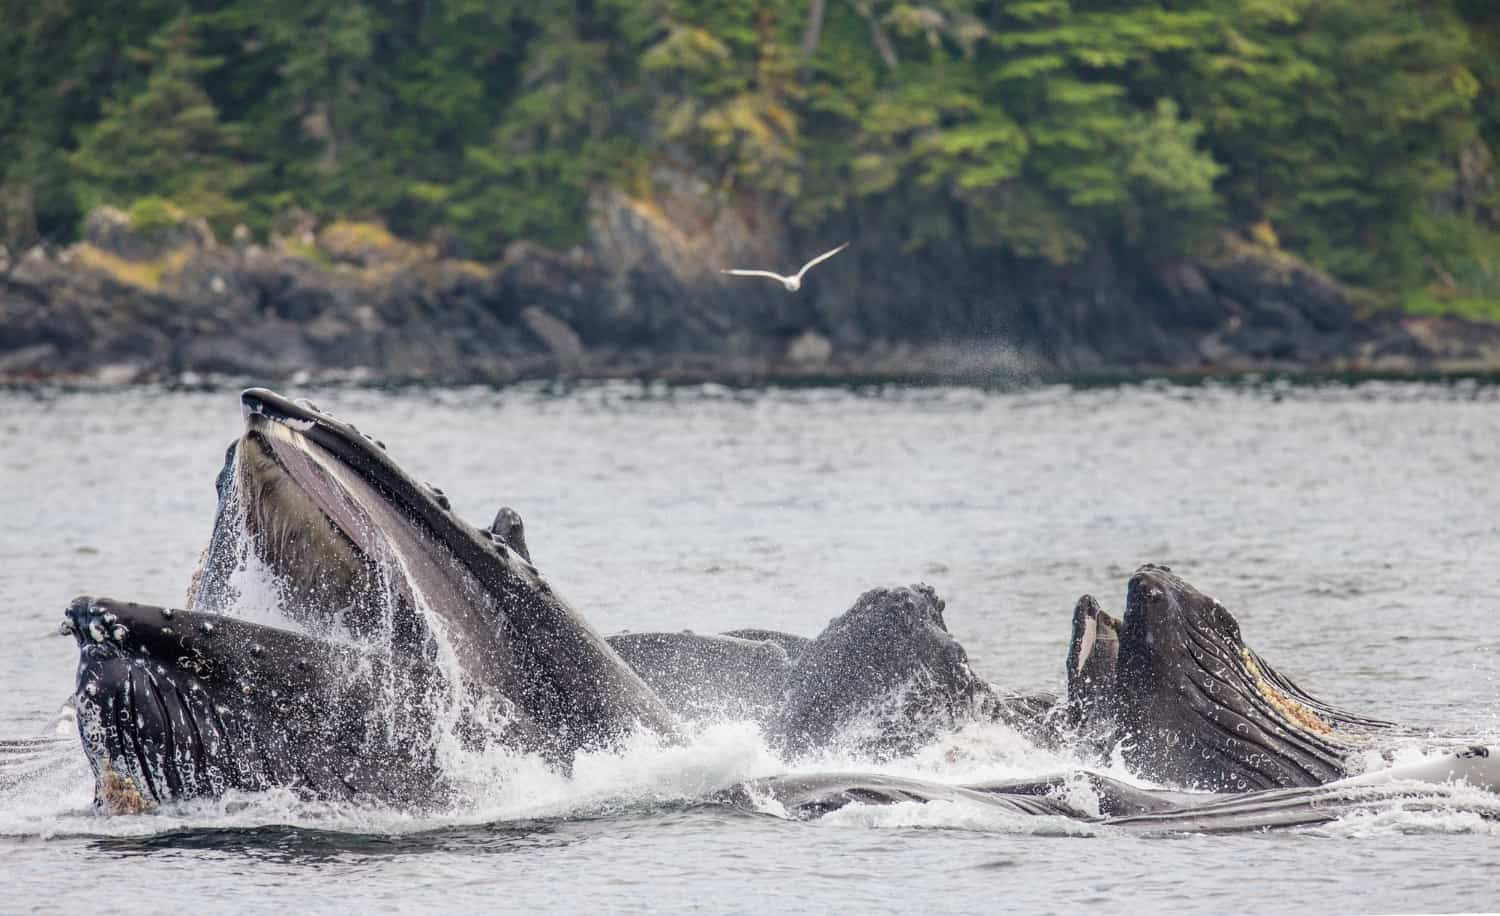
x,y
1113,797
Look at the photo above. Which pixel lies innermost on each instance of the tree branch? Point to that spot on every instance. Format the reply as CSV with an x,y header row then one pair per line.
x,y
877,34
814,30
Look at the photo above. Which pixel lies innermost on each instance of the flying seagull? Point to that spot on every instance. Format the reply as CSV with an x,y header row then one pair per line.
x,y
794,282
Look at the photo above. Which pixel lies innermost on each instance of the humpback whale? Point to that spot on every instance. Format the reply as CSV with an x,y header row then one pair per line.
x,y
886,678
703,677
881,680
1173,685
176,704
1191,704
366,553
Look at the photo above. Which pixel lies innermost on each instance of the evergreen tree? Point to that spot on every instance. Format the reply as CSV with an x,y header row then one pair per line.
x,y
59,60
164,139
1337,121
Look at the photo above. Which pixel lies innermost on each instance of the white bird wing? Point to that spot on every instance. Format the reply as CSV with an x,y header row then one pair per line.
x,y
753,273
821,258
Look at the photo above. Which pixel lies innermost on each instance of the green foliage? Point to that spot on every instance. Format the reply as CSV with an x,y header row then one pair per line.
x,y
163,139
1360,133
1476,308
1337,121
149,214
1464,272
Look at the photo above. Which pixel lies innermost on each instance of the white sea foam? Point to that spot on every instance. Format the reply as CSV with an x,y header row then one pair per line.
x,y
945,814
497,786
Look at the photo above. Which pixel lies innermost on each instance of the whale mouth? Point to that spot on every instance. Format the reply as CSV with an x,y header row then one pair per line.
x,y
175,705
333,468
366,546
149,731
363,544
1093,654
152,728
1198,707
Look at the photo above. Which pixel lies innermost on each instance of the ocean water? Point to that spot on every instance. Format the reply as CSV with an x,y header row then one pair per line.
x,y
1353,528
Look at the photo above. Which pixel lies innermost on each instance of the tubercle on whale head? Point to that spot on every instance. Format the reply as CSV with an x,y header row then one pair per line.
x,y
1156,599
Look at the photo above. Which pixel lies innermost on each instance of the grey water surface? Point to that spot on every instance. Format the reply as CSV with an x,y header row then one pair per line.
x,y
1353,528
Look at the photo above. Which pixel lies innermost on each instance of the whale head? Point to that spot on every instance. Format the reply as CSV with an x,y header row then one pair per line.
x,y
1197,707
883,679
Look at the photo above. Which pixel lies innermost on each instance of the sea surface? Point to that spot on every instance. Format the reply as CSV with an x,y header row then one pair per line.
x,y
1352,527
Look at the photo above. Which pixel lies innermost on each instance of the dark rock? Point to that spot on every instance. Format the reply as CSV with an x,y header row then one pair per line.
x,y
1276,315
554,332
1254,275
272,347
112,231
1191,300
645,296
29,360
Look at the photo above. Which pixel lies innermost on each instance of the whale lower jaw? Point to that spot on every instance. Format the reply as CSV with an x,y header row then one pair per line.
x,y
175,705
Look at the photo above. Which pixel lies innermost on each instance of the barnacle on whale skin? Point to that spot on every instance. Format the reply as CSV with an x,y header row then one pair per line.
x,y
119,794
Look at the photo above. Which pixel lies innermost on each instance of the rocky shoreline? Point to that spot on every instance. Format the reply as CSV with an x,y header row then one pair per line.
x,y
642,298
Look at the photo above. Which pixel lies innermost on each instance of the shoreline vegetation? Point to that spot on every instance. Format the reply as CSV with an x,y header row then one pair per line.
x,y
482,191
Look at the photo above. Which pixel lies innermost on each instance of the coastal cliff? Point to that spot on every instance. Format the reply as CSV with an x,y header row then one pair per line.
x,y
643,296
